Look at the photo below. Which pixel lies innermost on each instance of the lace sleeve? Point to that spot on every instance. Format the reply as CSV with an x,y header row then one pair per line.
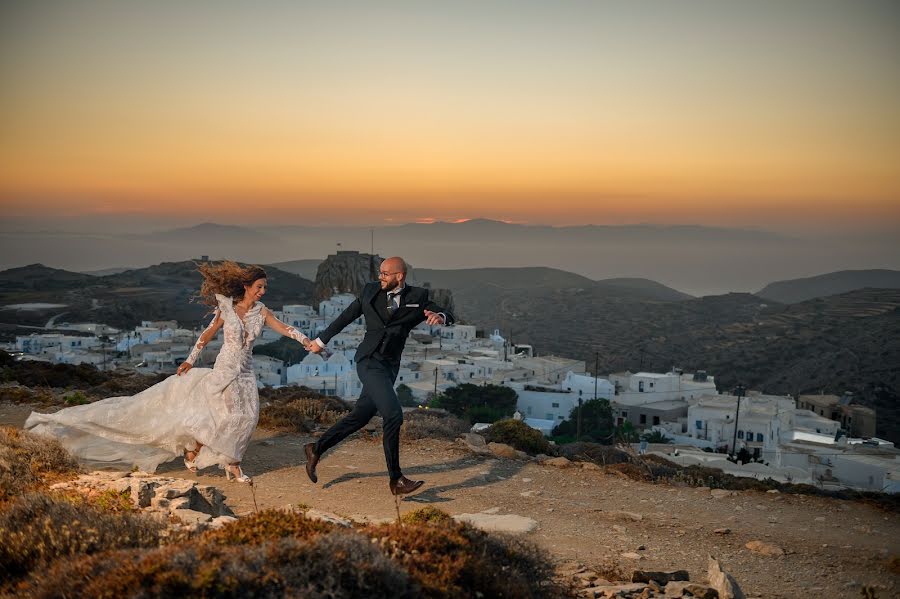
x,y
198,347
297,335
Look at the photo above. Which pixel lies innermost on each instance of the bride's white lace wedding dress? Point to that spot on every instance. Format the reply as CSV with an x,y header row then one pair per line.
x,y
218,407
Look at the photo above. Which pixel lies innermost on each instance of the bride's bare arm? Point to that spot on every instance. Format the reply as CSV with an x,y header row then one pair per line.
x,y
205,337
286,330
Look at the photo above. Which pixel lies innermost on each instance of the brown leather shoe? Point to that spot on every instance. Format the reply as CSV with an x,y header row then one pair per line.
x,y
403,485
311,460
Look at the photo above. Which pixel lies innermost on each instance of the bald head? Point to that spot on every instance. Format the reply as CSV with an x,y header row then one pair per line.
x,y
393,273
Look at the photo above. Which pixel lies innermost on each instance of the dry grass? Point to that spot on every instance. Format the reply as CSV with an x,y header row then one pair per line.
x,y
37,528
338,564
29,462
448,559
424,424
300,415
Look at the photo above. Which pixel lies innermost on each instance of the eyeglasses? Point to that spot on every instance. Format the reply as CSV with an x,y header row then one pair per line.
x,y
382,274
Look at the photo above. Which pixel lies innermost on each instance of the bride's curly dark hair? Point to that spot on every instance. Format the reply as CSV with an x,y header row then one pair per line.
x,y
226,278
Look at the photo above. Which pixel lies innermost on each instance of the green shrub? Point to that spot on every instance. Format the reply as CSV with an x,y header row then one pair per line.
x,y
519,435
38,528
28,461
76,398
339,564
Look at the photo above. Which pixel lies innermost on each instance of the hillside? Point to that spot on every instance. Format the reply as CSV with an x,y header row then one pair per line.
x,y
845,342
304,268
800,290
161,292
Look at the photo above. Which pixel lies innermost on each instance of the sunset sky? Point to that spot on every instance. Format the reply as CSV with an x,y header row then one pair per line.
x,y
711,112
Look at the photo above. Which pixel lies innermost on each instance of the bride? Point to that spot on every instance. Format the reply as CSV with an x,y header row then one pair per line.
x,y
204,414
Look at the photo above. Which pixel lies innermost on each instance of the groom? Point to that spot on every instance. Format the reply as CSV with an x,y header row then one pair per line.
x,y
392,309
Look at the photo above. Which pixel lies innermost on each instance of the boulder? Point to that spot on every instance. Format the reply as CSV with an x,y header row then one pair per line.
x,y
503,450
723,582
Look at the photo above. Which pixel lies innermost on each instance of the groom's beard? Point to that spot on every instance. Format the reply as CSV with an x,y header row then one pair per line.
x,y
390,286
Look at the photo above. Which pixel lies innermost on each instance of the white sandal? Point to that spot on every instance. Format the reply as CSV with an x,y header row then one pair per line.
x,y
239,476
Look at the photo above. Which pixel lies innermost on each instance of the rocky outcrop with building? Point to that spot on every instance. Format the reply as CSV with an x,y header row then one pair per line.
x,y
345,272
349,271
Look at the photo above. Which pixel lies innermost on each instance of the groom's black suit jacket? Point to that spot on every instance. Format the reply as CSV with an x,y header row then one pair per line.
x,y
385,333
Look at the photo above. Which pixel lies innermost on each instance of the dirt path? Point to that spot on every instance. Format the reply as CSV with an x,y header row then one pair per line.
x,y
832,547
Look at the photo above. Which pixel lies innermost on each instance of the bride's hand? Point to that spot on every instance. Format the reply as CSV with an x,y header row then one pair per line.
x,y
185,366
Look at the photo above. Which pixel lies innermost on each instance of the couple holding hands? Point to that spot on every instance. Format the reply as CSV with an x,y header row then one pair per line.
x,y
207,415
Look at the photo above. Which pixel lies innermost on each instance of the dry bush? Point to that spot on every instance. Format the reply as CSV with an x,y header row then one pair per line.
x,y
265,526
301,415
339,564
16,393
455,560
39,528
291,393
125,383
28,461
519,435
422,424
602,455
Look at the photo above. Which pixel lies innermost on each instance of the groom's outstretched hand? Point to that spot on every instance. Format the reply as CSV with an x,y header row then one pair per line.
x,y
433,318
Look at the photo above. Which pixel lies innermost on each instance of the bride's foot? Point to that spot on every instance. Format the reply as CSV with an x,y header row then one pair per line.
x,y
233,471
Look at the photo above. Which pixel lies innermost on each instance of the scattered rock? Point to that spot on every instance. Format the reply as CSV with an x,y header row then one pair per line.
x,y
678,589
559,462
723,582
189,516
720,493
160,496
614,590
510,523
314,514
633,555
722,531
660,577
764,548
503,450
590,466
633,516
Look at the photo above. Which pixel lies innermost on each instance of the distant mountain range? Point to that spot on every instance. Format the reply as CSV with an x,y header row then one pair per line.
x,y
693,259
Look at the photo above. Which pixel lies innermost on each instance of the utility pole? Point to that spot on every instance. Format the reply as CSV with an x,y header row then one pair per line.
x,y
578,422
435,379
739,392
596,371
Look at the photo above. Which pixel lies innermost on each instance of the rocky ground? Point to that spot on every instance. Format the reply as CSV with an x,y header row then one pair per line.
x,y
775,545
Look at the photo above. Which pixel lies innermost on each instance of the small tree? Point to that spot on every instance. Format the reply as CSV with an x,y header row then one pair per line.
x,y
475,403
404,394
596,422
